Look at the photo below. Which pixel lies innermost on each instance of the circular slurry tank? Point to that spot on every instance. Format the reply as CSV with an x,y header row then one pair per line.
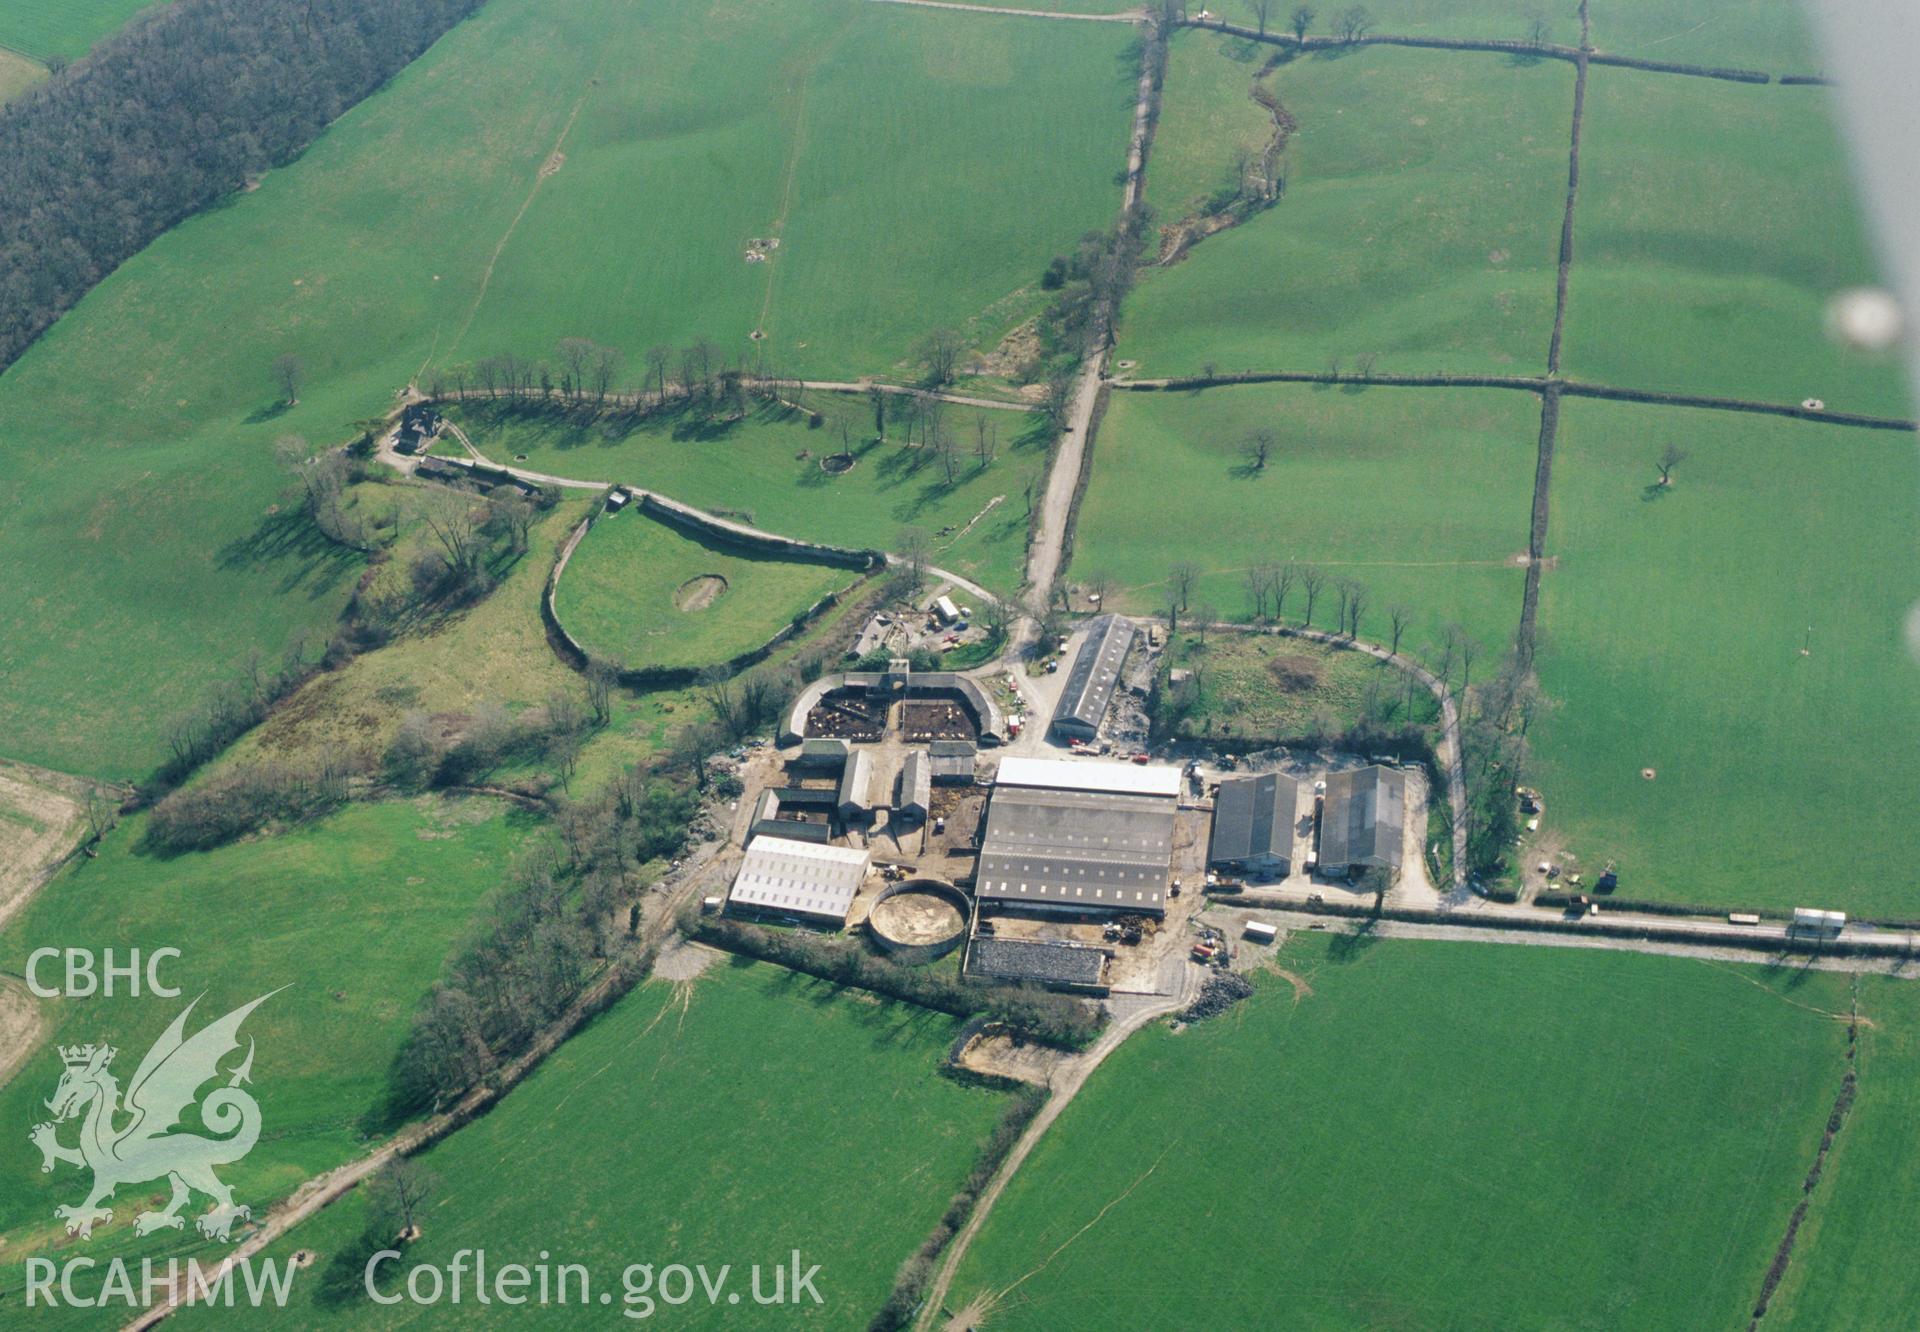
x,y
920,919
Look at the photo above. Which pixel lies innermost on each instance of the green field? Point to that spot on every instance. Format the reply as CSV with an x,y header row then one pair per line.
x,y
640,592
1625,1152
765,469
44,28
1707,257
17,74
1671,638
139,512
1207,120
1421,495
1853,1266
354,914
754,1113
1419,225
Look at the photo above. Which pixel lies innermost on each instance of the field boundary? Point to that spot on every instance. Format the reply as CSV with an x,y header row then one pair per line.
x,y
673,513
1571,388
1495,46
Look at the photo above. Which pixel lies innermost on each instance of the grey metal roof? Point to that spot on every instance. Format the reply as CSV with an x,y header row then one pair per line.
x,y
1094,673
1088,850
916,781
1363,818
952,760
1254,817
822,753
856,779
1037,960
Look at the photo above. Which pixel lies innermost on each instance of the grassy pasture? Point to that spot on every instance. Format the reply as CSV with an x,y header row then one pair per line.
x,y
1277,688
1624,1151
756,1112
1707,257
630,594
901,202
44,28
1853,1265
1671,639
249,918
139,506
1420,224
1422,495
17,74
1206,120
1772,35
766,469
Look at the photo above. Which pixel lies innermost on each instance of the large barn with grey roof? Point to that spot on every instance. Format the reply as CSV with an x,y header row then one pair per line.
x,y
1093,677
1363,820
1253,823
1076,837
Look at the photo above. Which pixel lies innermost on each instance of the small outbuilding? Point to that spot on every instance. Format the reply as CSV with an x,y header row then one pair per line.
x,y
916,786
856,781
953,762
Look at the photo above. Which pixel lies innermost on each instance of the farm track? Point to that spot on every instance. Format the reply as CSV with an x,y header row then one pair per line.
x,y
1126,16
1068,1077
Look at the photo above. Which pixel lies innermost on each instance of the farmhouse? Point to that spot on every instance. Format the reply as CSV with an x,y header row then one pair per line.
x,y
1079,838
781,877
1362,820
1253,822
916,786
1092,678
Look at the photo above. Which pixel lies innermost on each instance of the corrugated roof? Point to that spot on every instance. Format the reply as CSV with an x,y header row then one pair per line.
x,y
1254,817
1094,851
1362,820
1095,672
780,874
916,781
856,779
1090,775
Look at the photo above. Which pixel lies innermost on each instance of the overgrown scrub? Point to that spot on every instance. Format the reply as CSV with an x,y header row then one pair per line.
x,y
916,1274
545,936
1053,1018
167,117
246,798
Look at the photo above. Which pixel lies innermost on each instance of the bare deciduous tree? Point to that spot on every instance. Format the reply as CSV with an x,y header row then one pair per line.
x,y
1302,19
1261,9
915,549
1284,578
1180,582
289,372
939,354
1353,23
1356,606
1671,458
575,353
1398,617
399,1194
1258,447
602,675
659,358
455,522
1311,581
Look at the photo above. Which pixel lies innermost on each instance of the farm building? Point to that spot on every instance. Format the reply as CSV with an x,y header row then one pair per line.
x,y
1253,822
871,691
952,762
873,637
1362,821
781,877
1079,837
856,780
1037,961
822,754
916,785
1092,678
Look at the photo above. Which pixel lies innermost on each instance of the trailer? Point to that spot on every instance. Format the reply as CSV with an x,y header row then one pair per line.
x,y
1809,920
1261,931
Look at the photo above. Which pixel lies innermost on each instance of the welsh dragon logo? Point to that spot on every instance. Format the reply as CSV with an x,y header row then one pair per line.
x,y
139,1140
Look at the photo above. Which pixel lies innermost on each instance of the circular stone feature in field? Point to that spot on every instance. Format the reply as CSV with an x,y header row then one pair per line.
x,y
1647,773
838,464
920,914
699,592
